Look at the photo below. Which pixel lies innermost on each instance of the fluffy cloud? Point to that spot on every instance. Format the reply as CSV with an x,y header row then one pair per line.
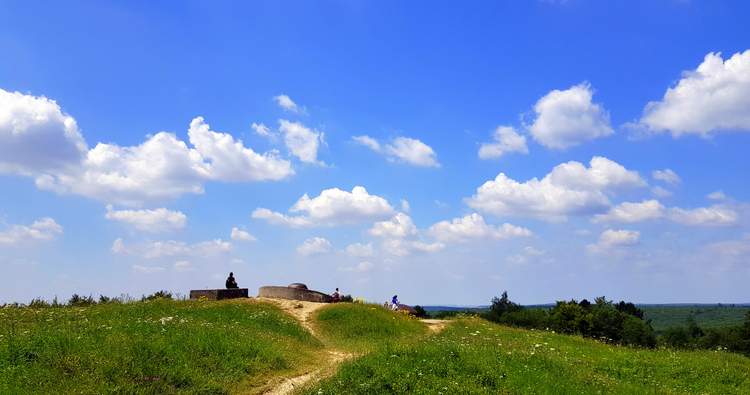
x,y
666,175
712,98
37,139
398,227
288,104
262,130
241,235
314,246
36,136
506,140
704,216
651,209
171,248
570,188
301,141
332,207
402,149
368,142
633,212
567,118
360,250
43,229
473,226
614,239
156,220
228,159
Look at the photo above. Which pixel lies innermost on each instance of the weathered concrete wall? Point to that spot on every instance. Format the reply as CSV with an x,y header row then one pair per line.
x,y
293,294
218,294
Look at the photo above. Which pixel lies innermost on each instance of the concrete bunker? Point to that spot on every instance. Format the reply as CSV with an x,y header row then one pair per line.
x,y
294,291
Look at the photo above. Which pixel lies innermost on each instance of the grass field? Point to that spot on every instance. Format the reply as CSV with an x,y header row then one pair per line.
x,y
473,356
243,347
149,347
706,316
364,327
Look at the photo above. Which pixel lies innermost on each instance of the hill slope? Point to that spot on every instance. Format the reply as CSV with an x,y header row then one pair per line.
x,y
475,356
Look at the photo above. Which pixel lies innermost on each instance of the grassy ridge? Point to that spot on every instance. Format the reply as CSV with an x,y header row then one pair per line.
x,y
365,327
474,356
148,347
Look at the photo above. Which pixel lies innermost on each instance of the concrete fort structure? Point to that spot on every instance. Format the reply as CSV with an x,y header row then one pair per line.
x,y
218,294
295,291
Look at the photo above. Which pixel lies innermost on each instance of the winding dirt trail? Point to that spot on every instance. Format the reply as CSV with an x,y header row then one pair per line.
x,y
303,312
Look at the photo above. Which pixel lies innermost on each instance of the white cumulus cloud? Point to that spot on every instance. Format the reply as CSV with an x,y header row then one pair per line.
x,y
505,140
704,216
402,149
36,136
570,188
565,118
286,103
154,221
712,98
473,226
332,207
633,212
667,175
43,229
398,227
238,234
301,141
38,140
314,246
614,239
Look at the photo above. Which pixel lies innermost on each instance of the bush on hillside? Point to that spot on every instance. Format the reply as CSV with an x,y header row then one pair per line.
x,y
619,323
81,301
420,312
158,295
691,336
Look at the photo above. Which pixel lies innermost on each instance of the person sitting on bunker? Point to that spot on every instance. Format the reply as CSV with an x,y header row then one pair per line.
x,y
231,282
336,296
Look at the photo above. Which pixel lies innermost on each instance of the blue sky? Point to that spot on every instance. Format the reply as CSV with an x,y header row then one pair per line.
x,y
554,149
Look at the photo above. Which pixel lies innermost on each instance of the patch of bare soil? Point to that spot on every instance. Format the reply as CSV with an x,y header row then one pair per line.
x,y
435,325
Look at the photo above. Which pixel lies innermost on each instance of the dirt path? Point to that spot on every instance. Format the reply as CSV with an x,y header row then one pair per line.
x,y
303,312
435,325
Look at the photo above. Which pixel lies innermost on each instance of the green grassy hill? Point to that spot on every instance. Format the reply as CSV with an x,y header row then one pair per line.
x,y
473,356
244,347
149,347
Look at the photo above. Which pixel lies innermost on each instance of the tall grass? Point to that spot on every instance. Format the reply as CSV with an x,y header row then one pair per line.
x,y
157,346
365,327
473,356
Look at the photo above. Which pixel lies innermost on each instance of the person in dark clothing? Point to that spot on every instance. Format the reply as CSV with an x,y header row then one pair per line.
x,y
231,282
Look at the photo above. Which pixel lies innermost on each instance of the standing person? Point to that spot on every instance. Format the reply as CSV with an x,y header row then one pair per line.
x,y
394,302
336,296
231,282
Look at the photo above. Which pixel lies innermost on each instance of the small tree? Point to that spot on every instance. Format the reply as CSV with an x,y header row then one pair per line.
x,y
420,312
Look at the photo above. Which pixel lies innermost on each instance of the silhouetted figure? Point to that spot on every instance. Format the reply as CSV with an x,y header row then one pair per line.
x,y
336,296
231,282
